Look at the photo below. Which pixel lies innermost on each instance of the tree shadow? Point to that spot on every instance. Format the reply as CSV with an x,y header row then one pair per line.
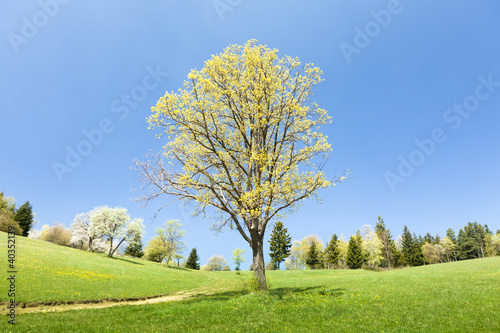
x,y
277,293
179,268
315,290
128,261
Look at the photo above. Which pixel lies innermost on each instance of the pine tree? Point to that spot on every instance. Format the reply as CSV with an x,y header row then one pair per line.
x,y
397,255
407,246
437,239
418,257
386,238
312,256
332,252
428,238
355,257
450,233
280,244
470,241
192,261
24,217
134,250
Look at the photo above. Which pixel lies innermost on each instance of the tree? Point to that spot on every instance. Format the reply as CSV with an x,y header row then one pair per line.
x,y
492,244
24,217
7,213
294,260
135,249
386,239
432,253
238,257
58,234
470,241
343,247
418,258
332,252
84,231
177,257
192,261
43,231
372,247
450,233
407,246
115,224
428,238
312,256
171,235
305,246
156,250
243,139
279,244
448,248
355,256
216,263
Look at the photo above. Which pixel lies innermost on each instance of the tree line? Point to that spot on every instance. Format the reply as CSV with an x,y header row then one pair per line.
x,y
376,248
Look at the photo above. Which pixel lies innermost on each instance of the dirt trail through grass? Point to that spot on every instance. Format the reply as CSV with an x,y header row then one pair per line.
x,y
177,296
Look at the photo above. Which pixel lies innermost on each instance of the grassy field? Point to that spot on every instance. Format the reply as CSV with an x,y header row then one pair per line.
x,y
48,272
454,297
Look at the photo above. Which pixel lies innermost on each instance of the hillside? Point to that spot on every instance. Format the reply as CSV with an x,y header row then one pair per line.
x,y
48,272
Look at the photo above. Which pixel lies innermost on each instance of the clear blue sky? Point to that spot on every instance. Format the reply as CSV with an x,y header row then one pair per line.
x,y
395,72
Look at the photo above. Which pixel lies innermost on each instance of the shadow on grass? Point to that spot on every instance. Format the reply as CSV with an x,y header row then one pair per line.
x,y
128,261
277,293
179,268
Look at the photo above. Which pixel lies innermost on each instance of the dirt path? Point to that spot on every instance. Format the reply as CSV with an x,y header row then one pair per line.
x,y
177,296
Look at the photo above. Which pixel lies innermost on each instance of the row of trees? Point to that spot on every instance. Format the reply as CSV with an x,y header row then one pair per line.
x,y
376,248
103,229
21,218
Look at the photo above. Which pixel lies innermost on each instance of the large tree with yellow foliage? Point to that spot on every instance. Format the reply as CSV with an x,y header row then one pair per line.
x,y
242,141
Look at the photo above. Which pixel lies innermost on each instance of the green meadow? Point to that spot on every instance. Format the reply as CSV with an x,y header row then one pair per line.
x,y
453,297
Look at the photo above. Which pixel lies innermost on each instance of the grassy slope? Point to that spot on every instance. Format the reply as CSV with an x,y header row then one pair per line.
x,y
47,272
455,297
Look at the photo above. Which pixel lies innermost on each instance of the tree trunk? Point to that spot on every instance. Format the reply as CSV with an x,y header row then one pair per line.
x,y
112,251
90,244
110,254
259,271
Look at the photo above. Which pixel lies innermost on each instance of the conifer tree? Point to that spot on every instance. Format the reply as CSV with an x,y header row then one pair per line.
x,y
135,250
407,246
355,257
332,252
24,217
386,238
418,257
450,233
279,244
312,256
470,241
192,261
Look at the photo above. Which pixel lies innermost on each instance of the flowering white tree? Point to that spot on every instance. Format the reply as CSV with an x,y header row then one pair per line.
x,y
83,231
34,234
115,224
216,263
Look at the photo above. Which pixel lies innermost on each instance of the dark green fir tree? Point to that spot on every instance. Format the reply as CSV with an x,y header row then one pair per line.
x,y
355,257
24,217
279,244
192,261
312,256
332,252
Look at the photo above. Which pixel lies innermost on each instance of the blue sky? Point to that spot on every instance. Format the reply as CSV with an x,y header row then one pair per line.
x,y
395,72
